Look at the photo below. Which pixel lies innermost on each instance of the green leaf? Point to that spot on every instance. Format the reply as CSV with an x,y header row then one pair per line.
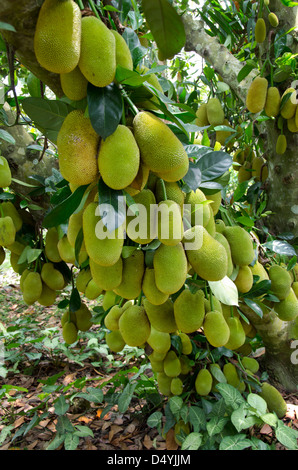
x,y
4,135
193,177
192,442
105,107
75,300
61,213
286,436
244,72
154,420
238,442
7,27
289,3
230,394
61,407
166,26
56,442
47,114
176,404
216,425
214,164
225,291
280,247
125,397
257,402
94,395
254,306
71,441
197,418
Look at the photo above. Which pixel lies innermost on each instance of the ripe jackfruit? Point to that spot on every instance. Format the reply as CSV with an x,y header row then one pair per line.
x,y
134,326
161,150
272,103
7,231
244,279
169,223
215,113
154,295
123,55
32,288
256,95
260,30
115,341
288,109
281,144
98,52
237,333
280,281
5,173
274,400
287,309
200,211
159,341
107,277
57,38
52,277
161,316
206,255
74,85
216,329
70,333
119,158
189,311
203,382
172,260
171,364
142,228
78,148
132,276
102,246
241,245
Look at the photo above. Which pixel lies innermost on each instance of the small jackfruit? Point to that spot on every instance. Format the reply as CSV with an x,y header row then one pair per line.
x,y
92,290
83,277
57,38
241,245
109,300
152,79
186,365
256,95
48,296
251,364
172,260
154,295
244,279
237,333
176,386
281,144
287,309
115,341
292,124
9,210
186,343
74,84
201,116
159,341
83,318
273,19
258,270
173,192
132,276
98,52
288,107
161,316
111,320
216,201
5,173
189,311
52,277
164,383
274,400
222,239
215,112
7,231
203,382
231,374
171,364
272,103
169,223
66,251
216,329
260,30
199,210
69,333
32,288
280,281
107,277
134,326
142,228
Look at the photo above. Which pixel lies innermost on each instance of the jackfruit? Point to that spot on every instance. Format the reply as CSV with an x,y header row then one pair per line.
x,y
70,333
74,84
2,255
164,383
32,288
258,270
256,95
5,173
77,144
222,239
189,311
201,116
52,277
75,224
159,341
7,231
251,364
273,19
244,173
280,281
216,328
140,181
102,246
186,343
142,228
9,210
287,309
176,174
98,52
292,124
154,295
219,225
109,300
57,38
119,158
186,364
206,255
172,260
83,277
48,296
14,262
272,103
123,55
237,334
92,290
215,113
132,276
258,164
176,386
179,428
83,318
169,223
161,150
171,364
239,157
107,277
115,341
200,211
281,144
244,279
161,316
203,382
68,316
288,109
210,227
152,79
111,320
66,251
241,245
134,326
231,374
260,30
23,277
274,400
173,192
216,198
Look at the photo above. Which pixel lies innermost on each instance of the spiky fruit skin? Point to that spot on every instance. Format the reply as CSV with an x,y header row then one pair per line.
x,y
142,228
272,103
289,108
119,158
206,255
92,290
169,223
57,38
216,329
287,309
260,30
32,288
176,174
154,295
274,400
78,148
83,318
161,316
244,279
280,281
176,386
132,276
52,277
201,116
215,113
134,326
123,55
237,333
200,213
189,311
241,245
186,343
216,198
203,383
74,84
173,191
170,259
5,173
69,333
7,231
115,341
107,277
256,95
111,320
171,364
161,150
159,341
98,52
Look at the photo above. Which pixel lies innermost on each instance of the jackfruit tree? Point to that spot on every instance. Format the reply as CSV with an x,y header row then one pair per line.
x,y
171,201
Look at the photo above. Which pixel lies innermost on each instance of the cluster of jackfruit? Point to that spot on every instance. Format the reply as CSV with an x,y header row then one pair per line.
x,y
249,165
73,322
210,114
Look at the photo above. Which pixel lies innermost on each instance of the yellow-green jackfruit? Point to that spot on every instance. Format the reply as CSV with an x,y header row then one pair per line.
x,y
203,382
164,383
2,255
287,309
244,279
9,210
176,386
123,55
222,239
258,270
32,288
83,318
274,400
132,276
161,316
7,231
74,85
172,366
281,144
107,277
115,341
134,326
169,223
280,281
171,260
48,296
273,19
241,245
173,192
92,290
5,173
52,277
175,174
216,329
201,116
199,211
189,311
288,108
215,112
66,251
154,295
142,228
256,95
159,341
251,364
272,103
69,333
111,320
231,374
237,333
260,30
152,79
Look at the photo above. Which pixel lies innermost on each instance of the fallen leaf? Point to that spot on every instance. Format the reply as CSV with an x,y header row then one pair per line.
x,y
147,442
266,429
171,444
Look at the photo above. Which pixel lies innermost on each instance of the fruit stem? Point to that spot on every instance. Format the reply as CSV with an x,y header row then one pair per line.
x,y
93,8
131,104
140,299
232,311
211,301
80,3
121,302
164,191
1,211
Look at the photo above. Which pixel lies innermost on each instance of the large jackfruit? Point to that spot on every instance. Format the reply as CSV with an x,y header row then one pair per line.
x,y
159,341
189,311
7,231
171,260
176,174
244,279
258,270
134,326
123,55
232,376
57,38
161,150
199,210
142,228
260,30
119,158
256,95
74,84
107,277
280,281
215,113
132,276
216,328
5,173
272,103
237,333
176,386
241,245
274,400
161,316
207,256
154,295
169,223
98,52
102,246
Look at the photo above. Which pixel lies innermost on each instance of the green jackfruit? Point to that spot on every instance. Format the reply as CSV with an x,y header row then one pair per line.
x,y
7,231
123,55
107,277
219,225
287,309
181,429
256,95
171,364
241,245
32,288
292,124
273,19
83,318
157,366
186,343
281,144
172,260
164,383
231,374
161,150
2,255
57,38
23,277
244,173
92,290
173,192
251,364
134,326
272,103
258,270
119,158
161,316
154,295
140,180
189,311
169,223
98,52
66,251
294,286
109,300
132,276
201,116
5,173
280,281
14,262
274,400
216,329
176,174
102,246
199,210
176,386
215,113
222,239
82,279
186,365
216,198
75,224
74,85
142,228
68,316
77,144
203,382
260,30
115,341
48,296
288,108
111,320
9,210
69,333
152,79
244,279
206,255
237,333
210,227
159,341
52,277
